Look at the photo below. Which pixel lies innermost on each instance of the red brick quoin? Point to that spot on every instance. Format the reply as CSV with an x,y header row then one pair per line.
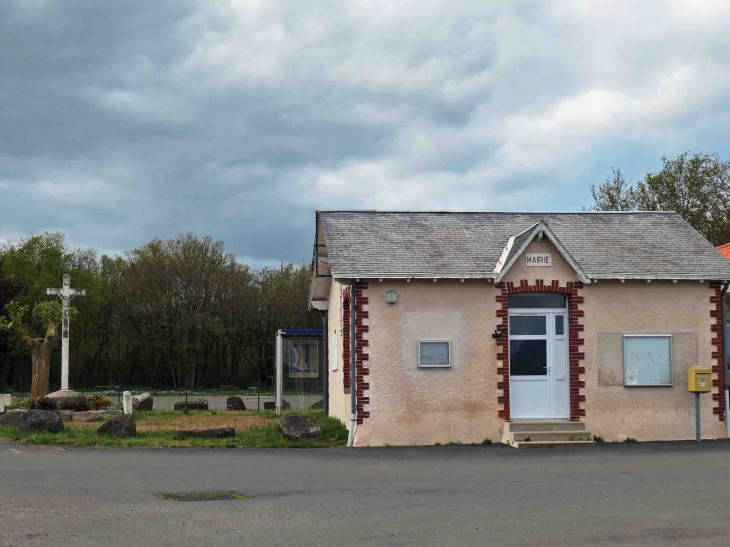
x,y
718,353
361,345
575,328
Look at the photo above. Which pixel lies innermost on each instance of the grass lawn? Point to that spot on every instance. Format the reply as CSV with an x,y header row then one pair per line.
x,y
156,429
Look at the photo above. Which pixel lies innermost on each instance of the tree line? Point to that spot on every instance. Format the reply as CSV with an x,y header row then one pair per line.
x,y
695,185
174,312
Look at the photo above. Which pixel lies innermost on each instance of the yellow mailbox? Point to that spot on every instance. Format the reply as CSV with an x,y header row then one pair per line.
x,y
699,379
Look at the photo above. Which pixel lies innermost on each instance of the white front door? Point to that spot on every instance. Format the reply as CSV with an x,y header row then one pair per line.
x,y
538,350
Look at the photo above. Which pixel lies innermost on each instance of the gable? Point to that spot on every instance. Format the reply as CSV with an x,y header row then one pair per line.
x,y
559,268
517,248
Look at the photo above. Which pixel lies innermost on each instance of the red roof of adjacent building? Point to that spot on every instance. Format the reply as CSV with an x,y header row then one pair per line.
x,y
725,250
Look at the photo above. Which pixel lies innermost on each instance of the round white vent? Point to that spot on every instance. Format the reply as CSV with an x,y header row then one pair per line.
x,y
391,296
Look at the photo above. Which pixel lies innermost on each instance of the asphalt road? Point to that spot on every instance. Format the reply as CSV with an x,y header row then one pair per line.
x,y
618,494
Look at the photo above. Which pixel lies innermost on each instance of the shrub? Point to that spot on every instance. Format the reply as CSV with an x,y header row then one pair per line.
x,y
97,401
629,440
44,403
20,404
74,405
598,438
98,404
487,441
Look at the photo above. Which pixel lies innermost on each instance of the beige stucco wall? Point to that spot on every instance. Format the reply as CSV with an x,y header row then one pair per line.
x,y
409,405
613,309
339,403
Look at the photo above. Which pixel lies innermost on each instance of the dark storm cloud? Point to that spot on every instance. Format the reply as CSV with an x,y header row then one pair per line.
x,y
129,120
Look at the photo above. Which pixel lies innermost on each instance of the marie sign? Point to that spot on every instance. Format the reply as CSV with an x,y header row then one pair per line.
x,y
538,259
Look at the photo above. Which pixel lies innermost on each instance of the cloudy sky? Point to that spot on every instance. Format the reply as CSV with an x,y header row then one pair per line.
x,y
123,121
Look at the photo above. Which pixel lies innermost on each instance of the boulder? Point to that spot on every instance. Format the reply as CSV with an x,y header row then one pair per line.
x,y
144,401
96,415
66,415
299,426
119,428
235,403
272,405
218,433
200,404
33,420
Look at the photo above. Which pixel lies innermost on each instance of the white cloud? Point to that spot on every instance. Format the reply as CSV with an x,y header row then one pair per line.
x,y
238,119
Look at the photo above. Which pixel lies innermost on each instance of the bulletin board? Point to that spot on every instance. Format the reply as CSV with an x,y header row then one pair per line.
x,y
648,360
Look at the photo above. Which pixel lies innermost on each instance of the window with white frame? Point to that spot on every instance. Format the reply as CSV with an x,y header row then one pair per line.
x,y
647,360
434,353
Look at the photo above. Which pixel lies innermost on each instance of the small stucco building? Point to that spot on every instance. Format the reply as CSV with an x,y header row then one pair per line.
x,y
466,323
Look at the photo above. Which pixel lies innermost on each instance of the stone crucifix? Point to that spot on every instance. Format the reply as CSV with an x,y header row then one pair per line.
x,y
65,294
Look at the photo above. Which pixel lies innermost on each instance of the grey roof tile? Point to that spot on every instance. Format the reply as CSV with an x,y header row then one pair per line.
x,y
373,244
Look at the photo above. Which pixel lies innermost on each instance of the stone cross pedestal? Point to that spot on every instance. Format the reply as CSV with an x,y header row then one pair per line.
x,y
66,294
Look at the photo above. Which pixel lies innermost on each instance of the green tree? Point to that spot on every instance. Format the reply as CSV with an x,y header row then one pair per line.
x,y
47,313
39,261
697,186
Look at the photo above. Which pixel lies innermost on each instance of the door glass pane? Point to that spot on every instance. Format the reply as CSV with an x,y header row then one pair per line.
x,y
527,324
528,357
536,300
559,326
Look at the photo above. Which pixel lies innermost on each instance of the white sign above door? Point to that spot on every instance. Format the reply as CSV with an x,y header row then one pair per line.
x,y
538,259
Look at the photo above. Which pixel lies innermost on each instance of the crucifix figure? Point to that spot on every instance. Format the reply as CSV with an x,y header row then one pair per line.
x,y
65,294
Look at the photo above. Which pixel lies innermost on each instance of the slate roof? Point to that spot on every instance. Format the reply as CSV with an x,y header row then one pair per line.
x,y
519,241
377,244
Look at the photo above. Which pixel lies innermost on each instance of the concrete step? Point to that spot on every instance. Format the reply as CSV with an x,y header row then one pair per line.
x,y
546,426
522,436
545,444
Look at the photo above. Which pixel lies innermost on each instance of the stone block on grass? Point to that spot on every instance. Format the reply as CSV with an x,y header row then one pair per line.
x,y
215,433
33,420
12,418
200,404
299,426
121,427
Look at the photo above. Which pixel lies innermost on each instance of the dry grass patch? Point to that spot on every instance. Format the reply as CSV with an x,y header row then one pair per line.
x,y
253,430
168,420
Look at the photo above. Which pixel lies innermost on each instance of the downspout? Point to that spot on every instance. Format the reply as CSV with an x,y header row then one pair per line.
x,y
326,365
724,358
353,365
